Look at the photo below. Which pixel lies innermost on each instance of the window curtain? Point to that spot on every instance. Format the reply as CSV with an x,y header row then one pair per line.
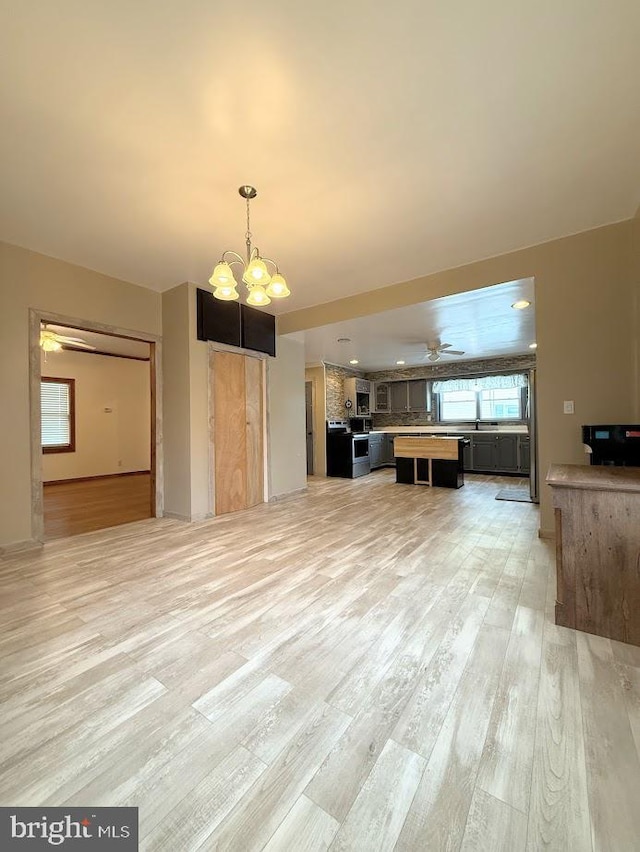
x,y
517,380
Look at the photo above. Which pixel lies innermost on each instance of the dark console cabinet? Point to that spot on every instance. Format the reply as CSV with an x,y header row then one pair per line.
x,y
235,324
258,330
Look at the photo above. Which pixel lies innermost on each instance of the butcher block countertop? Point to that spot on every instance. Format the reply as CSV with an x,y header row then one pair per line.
x,y
426,448
594,477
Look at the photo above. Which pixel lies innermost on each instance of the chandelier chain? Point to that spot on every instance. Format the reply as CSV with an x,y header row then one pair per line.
x,y
248,235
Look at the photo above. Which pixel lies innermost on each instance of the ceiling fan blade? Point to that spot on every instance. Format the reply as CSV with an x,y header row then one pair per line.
x,y
78,345
444,346
64,339
453,352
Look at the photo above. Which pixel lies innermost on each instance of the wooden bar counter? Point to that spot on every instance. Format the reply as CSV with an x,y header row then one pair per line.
x,y
598,549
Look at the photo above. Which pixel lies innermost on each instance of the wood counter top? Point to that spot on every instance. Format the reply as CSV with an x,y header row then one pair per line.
x,y
594,477
426,448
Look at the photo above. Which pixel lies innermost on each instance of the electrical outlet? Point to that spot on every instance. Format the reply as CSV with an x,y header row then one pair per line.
x,y
568,407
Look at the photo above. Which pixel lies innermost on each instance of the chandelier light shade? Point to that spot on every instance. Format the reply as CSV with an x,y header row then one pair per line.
x,y
262,284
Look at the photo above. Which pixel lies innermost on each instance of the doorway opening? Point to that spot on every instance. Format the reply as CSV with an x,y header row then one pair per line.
x,y
308,406
95,426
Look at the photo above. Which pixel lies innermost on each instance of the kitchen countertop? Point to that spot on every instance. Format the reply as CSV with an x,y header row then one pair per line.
x,y
434,430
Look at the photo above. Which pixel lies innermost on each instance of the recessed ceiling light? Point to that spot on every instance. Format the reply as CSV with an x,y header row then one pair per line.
x,y
400,362
344,340
354,361
521,304
533,346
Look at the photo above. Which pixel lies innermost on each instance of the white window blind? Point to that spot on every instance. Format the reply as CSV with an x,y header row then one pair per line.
x,y
56,413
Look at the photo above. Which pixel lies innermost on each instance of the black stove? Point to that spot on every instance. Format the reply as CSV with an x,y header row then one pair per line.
x,y
347,451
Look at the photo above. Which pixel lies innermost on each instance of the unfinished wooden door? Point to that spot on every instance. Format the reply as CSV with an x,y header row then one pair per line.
x,y
238,429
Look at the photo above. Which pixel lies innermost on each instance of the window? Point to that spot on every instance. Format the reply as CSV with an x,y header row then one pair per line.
x,y
458,405
501,404
57,407
481,399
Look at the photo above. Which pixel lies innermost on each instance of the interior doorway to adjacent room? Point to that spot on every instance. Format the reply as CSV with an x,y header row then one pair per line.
x,y
93,427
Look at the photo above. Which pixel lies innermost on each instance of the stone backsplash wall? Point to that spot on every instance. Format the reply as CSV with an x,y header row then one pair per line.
x,y
334,382
335,376
470,369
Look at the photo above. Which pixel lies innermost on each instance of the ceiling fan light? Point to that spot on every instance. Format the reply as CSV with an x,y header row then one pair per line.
x,y
257,273
226,293
222,275
277,288
258,296
434,356
49,345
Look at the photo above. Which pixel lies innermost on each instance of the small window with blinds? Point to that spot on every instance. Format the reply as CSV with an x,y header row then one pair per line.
x,y
57,413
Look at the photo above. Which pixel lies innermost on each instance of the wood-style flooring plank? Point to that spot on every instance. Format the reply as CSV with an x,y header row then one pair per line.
x,y
306,828
377,815
559,807
493,826
507,760
611,757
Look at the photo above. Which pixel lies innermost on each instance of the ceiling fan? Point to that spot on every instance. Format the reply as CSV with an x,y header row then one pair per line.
x,y
51,341
435,350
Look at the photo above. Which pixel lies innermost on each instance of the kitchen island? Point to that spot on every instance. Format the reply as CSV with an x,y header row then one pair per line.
x,y
436,461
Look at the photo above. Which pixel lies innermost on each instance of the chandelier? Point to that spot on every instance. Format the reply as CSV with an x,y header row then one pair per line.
x,y
262,285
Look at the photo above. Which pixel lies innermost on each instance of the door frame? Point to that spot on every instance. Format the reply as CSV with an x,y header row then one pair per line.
x,y
313,430
264,358
36,317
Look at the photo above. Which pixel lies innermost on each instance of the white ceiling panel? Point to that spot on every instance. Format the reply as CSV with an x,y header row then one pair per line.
x,y
481,323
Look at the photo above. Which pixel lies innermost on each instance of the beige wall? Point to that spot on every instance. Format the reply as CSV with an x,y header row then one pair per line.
x,y
175,400
118,441
586,323
30,280
286,421
316,375
635,284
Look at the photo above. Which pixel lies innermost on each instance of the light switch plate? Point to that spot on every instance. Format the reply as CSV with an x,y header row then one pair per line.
x,y
568,407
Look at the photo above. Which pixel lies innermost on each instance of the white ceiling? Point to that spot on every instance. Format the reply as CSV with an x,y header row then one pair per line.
x,y
103,342
386,140
482,323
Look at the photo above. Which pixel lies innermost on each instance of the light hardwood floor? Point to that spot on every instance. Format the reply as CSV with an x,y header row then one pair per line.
x,y
72,508
368,666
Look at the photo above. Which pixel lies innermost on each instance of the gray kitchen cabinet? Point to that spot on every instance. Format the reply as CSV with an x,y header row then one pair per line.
x,y
381,400
500,453
507,453
524,453
467,456
388,449
399,397
376,444
358,393
418,395
483,452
